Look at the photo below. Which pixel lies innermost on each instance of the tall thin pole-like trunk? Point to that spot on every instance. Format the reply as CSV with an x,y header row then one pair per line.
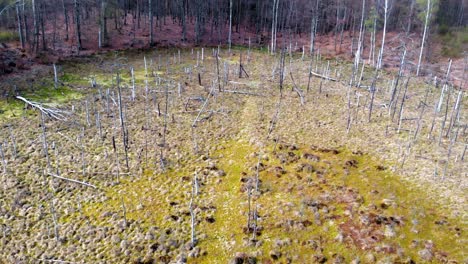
x,y
384,31
410,17
393,98
25,22
150,14
373,37
45,146
77,24
274,27
65,15
44,45
358,52
36,26
2,156
55,76
103,26
184,23
424,36
122,121
313,28
372,90
230,25
20,28
217,68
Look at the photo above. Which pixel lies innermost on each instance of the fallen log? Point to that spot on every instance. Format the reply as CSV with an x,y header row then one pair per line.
x,y
241,92
71,180
323,77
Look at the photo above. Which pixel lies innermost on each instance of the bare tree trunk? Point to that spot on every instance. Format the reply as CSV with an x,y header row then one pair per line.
x,y
122,122
384,31
230,25
372,90
13,142
65,15
359,49
44,141
423,107
54,219
193,240
217,68
150,14
403,100
410,17
103,25
77,24
20,28
274,27
44,45
36,27
313,28
424,36
184,23
55,77
25,22
133,84
393,98
2,155
372,49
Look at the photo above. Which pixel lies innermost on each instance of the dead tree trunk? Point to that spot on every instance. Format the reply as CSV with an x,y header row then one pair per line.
x,y
372,91
65,15
122,122
150,15
20,28
36,27
424,35
77,24
384,31
230,26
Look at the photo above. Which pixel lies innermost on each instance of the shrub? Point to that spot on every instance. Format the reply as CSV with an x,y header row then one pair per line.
x,y
443,29
454,42
6,36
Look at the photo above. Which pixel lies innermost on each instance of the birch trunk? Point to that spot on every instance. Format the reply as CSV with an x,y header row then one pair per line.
x,y
424,36
382,47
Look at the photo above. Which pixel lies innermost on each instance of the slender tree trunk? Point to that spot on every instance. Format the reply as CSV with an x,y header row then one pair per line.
x,y
274,25
25,22
77,24
424,36
384,31
20,28
65,15
36,27
150,14
184,26
410,18
360,41
122,122
230,25
393,98
313,28
372,90
103,25
44,44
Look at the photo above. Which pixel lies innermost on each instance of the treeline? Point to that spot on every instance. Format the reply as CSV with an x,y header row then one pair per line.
x,y
39,22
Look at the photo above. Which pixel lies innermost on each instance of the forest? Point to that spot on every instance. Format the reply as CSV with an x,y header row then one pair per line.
x,y
233,131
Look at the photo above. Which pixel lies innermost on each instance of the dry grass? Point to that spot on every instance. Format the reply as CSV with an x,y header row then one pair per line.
x,y
143,215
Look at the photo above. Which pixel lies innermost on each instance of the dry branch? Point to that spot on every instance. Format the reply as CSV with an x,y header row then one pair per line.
x,y
241,92
323,77
50,111
299,91
71,180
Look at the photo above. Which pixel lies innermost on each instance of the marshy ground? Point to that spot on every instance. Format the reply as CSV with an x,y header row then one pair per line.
x,y
251,176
